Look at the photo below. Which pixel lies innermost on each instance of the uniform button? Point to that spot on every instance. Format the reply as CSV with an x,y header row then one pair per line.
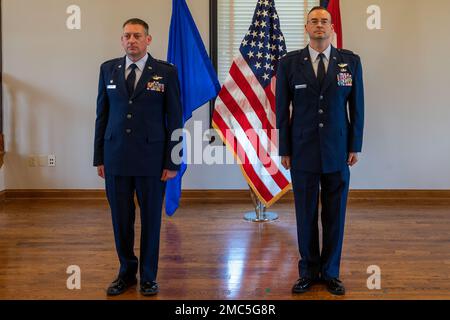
x,y
321,125
130,102
129,116
128,131
320,111
321,97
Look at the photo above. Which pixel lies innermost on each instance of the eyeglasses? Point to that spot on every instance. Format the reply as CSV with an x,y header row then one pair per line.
x,y
315,22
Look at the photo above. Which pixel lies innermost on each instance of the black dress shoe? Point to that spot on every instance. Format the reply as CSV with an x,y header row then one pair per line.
x,y
149,288
120,285
302,285
336,287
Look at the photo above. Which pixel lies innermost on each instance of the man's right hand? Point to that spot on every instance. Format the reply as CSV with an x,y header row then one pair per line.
x,y
101,171
286,162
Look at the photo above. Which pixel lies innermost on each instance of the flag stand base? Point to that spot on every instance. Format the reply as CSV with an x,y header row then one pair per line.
x,y
260,214
265,217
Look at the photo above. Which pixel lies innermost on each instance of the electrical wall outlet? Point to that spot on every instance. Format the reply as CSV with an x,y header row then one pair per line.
x,y
41,161
51,160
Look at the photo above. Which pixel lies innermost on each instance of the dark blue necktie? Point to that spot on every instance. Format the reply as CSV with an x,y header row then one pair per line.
x,y
131,79
321,69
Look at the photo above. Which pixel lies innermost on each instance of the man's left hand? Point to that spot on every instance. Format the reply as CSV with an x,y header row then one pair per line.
x,y
168,174
352,159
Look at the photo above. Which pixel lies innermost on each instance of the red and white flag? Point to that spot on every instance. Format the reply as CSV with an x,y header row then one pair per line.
x,y
335,10
244,114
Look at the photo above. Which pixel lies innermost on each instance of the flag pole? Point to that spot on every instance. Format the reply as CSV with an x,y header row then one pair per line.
x,y
260,214
244,108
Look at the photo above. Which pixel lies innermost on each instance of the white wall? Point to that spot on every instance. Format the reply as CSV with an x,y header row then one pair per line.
x,y
50,82
407,138
2,179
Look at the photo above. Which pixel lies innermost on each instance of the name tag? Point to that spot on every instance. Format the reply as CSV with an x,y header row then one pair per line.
x,y
112,86
301,86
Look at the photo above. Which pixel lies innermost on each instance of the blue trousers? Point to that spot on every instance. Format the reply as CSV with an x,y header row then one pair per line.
x,y
120,191
332,191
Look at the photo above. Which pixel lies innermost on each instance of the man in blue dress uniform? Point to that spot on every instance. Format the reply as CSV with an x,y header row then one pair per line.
x,y
138,110
318,140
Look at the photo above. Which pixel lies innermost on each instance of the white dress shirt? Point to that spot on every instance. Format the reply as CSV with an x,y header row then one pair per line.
x,y
315,58
140,67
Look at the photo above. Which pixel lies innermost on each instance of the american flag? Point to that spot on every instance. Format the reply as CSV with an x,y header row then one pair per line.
x,y
244,114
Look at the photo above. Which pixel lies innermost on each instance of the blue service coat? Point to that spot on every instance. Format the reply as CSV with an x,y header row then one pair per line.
x,y
326,123
133,134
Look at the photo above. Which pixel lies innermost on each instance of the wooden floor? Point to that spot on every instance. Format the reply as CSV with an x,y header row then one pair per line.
x,y
209,252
